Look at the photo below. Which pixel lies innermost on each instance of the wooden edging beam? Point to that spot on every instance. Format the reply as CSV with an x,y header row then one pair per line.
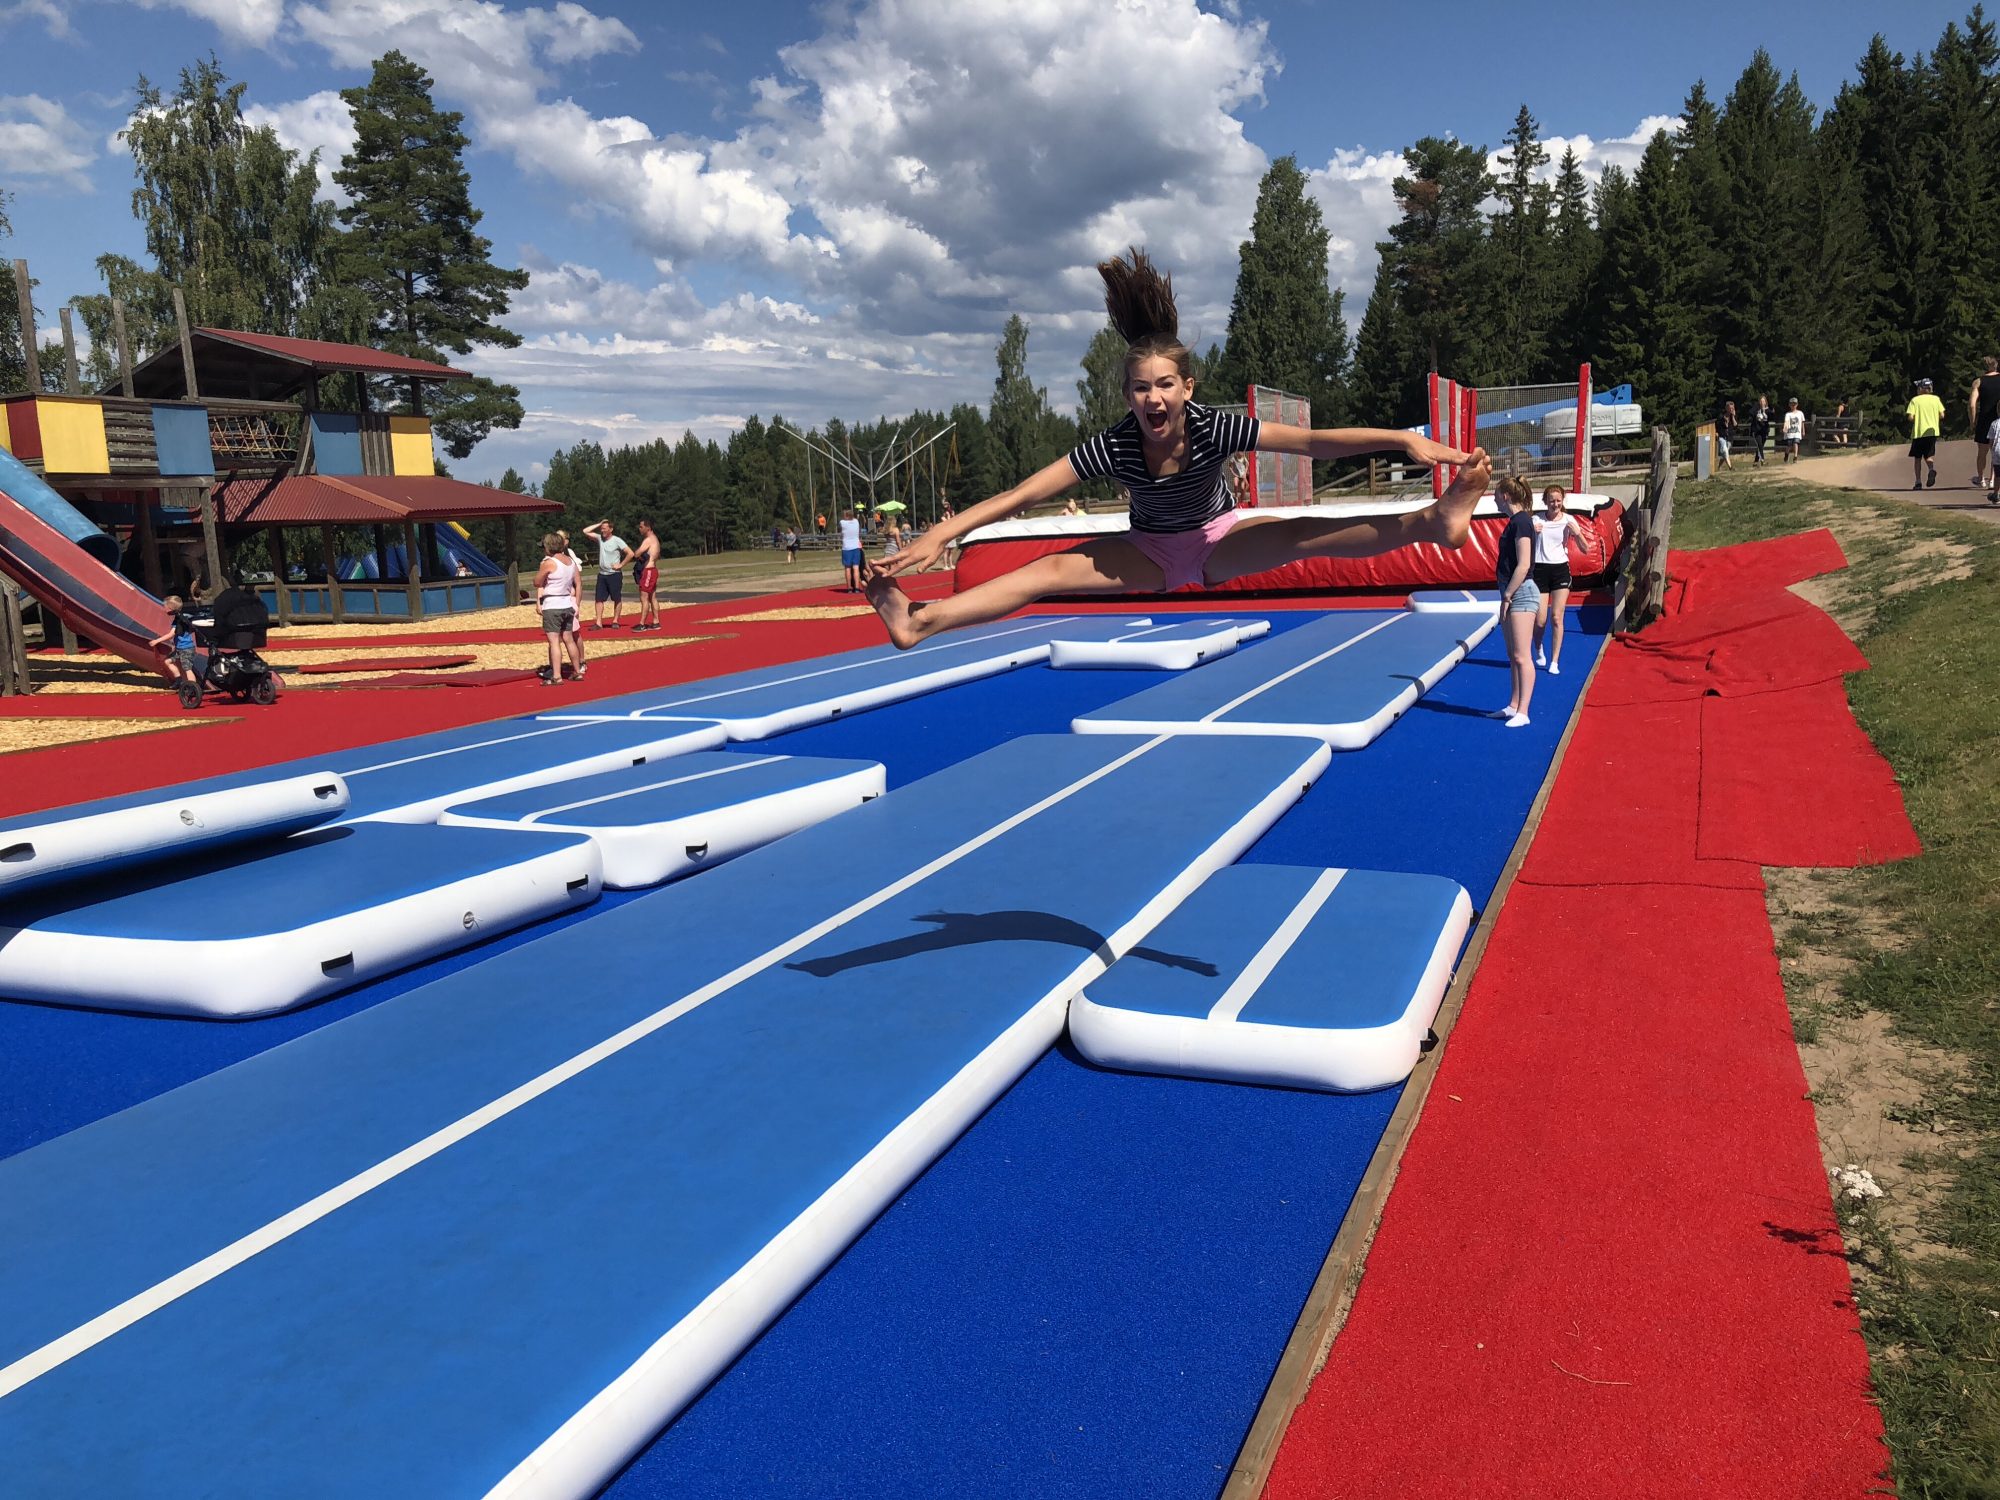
x,y
1332,1293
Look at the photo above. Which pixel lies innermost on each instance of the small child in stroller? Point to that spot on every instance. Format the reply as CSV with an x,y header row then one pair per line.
x,y
230,628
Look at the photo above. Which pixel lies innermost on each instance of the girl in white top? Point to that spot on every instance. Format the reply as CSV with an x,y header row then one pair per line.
x,y
555,595
1553,529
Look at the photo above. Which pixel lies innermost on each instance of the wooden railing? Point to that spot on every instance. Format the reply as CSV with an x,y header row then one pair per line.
x,y
1642,586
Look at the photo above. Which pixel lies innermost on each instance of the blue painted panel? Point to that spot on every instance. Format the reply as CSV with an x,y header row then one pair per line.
x,y
336,438
180,436
1361,958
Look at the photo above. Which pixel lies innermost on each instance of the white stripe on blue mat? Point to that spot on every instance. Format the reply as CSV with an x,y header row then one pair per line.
x,y
487,1236
1342,679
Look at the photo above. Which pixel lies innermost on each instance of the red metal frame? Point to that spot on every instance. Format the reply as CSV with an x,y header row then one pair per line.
x,y
1250,469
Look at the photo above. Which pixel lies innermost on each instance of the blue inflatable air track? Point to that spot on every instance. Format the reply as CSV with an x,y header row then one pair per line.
x,y
656,823
772,700
246,932
489,1235
412,780
1343,679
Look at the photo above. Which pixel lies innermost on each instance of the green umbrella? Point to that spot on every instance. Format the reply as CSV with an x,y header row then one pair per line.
x,y
890,505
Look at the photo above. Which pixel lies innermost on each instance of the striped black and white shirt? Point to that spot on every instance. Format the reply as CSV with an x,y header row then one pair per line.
x,y
1196,493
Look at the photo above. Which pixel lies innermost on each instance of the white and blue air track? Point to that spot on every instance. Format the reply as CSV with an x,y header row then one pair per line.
x,y
115,833
1456,601
1173,647
245,932
488,1236
657,823
1319,979
1342,679
772,700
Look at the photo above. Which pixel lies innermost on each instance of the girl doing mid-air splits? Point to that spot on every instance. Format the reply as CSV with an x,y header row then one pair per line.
x,y
1172,455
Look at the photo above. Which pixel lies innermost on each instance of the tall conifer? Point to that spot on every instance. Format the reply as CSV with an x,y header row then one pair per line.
x,y
414,250
1522,259
1656,331
1285,324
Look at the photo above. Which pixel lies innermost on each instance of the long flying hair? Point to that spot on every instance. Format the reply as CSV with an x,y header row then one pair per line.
x,y
1140,299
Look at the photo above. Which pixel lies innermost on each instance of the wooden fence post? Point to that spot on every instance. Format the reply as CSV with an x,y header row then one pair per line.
x,y
411,565
13,643
282,574
332,558
1642,585
24,295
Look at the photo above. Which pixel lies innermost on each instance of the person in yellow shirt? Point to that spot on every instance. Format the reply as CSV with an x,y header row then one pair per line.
x,y
1926,413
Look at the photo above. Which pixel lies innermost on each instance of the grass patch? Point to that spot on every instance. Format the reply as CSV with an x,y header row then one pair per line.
x,y
1922,599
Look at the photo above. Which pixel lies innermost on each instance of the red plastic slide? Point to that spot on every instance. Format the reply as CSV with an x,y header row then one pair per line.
x,y
104,607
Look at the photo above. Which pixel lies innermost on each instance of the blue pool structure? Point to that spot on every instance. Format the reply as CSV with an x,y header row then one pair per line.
x,y
782,1178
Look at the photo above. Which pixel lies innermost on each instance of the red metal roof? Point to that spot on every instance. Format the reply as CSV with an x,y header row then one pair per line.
x,y
324,356
356,500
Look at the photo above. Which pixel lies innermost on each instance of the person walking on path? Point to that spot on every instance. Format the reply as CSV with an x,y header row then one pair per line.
x,y
1760,429
556,584
791,546
851,555
1725,432
1520,600
1982,404
612,555
646,564
1793,430
1926,414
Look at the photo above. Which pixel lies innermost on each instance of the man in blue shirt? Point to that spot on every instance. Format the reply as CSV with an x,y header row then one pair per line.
x,y
612,555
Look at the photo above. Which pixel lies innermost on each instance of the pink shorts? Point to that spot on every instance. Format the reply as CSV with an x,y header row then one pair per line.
x,y
1182,555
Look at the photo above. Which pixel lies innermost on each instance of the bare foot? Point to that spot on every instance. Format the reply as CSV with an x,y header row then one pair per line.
x,y
894,606
1452,512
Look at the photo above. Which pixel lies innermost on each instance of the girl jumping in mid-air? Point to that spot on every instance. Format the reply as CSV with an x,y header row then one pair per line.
x,y
1172,455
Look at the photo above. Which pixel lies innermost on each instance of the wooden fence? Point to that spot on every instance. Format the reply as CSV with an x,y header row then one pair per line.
x,y
1642,585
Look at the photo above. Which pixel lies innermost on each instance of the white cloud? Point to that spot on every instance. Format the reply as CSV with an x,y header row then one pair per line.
x,y
252,21
1622,151
53,19
319,122
40,141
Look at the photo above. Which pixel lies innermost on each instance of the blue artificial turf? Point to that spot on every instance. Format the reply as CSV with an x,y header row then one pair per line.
x,y
1086,1295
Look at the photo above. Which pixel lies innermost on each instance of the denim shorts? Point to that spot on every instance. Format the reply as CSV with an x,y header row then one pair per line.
x,y
1527,598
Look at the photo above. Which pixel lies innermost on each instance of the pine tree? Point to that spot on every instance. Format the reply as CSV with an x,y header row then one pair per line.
x,y
1574,258
1961,139
1024,437
1285,324
1827,305
1763,138
1656,331
1435,260
1388,368
1610,207
230,215
413,249
1100,395
1522,259
13,362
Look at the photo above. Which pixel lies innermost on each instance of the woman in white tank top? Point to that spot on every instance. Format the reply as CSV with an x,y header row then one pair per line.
x,y
555,595
1553,529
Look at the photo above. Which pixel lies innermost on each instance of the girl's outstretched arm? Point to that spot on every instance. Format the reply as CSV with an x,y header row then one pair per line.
x,y
1043,484
1346,442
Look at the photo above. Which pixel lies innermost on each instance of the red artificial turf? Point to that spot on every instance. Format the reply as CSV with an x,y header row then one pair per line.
x,y
1790,779
489,677
1611,1264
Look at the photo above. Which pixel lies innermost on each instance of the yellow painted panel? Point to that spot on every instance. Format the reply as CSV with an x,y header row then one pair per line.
x,y
410,446
4,440
72,437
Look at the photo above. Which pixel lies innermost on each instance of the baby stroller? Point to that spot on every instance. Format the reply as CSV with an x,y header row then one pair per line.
x,y
228,630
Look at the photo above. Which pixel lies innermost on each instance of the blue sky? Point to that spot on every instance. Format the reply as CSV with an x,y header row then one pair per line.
x,y
830,210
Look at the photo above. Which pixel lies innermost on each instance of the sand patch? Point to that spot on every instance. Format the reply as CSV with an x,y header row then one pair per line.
x,y
801,612
44,734
75,676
